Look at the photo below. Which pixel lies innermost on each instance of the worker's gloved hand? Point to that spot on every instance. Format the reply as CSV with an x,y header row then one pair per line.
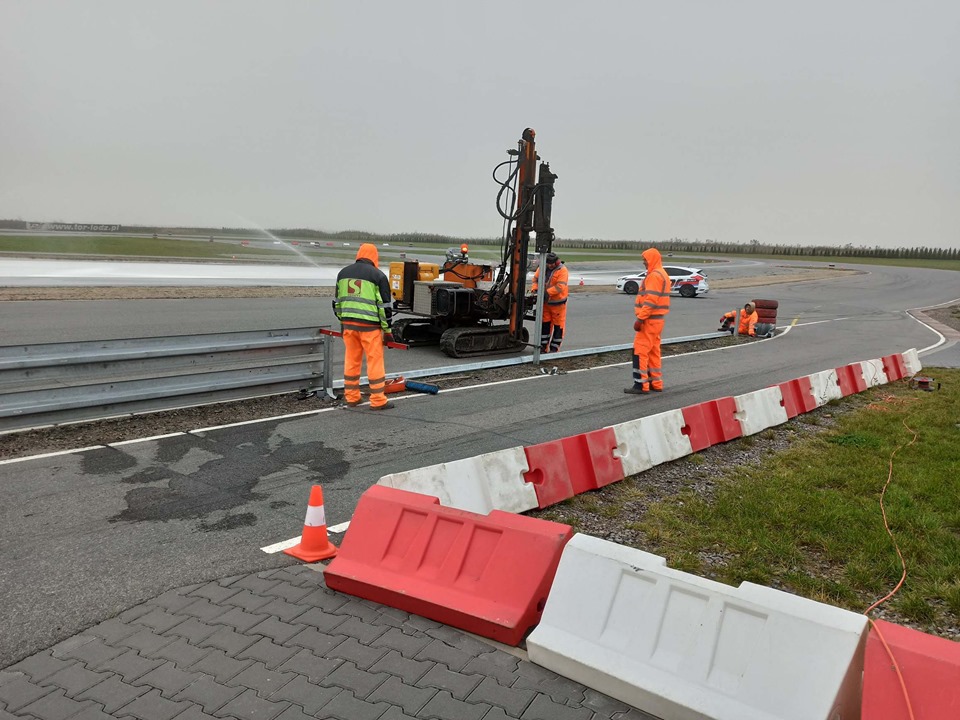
x,y
388,338
638,325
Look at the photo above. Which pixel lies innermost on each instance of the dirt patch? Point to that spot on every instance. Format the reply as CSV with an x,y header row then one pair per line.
x,y
949,316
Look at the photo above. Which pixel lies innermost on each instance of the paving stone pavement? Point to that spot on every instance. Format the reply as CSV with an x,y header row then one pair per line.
x,y
280,645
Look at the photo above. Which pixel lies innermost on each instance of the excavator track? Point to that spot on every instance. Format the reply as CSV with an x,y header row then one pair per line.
x,y
469,341
414,332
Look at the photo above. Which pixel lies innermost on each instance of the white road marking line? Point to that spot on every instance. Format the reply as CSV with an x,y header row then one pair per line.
x,y
261,420
146,439
277,547
53,454
341,528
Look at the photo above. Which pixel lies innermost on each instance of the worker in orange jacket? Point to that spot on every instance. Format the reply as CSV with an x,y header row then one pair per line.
x,y
651,308
747,318
363,308
554,303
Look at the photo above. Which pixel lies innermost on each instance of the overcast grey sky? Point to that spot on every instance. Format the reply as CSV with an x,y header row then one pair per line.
x,y
813,122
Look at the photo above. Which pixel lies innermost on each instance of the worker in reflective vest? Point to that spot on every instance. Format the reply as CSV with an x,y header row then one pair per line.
x,y
363,308
747,319
651,308
554,303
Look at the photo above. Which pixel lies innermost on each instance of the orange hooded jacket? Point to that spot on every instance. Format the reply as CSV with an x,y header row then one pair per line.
x,y
653,298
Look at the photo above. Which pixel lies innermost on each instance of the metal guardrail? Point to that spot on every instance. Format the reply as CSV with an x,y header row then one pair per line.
x,y
56,383
529,359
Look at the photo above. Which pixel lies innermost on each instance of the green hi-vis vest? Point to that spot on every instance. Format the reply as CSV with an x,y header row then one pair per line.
x,y
360,300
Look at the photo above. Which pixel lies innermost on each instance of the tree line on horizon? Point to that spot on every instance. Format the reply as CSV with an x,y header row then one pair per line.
x,y
673,245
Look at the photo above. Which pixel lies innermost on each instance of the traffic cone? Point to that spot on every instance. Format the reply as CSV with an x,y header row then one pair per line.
x,y
581,281
314,544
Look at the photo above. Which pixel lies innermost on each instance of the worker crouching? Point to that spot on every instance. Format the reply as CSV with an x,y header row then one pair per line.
x,y
746,319
555,303
363,308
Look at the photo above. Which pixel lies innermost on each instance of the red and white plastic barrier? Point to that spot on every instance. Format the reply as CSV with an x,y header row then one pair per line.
x,y
873,372
911,359
675,645
930,667
711,423
649,441
825,386
493,481
537,476
560,469
486,574
760,410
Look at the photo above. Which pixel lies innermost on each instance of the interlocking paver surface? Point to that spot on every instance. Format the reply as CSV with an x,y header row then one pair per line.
x,y
280,645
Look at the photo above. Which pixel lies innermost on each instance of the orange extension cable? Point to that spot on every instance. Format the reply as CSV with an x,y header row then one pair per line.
x,y
903,564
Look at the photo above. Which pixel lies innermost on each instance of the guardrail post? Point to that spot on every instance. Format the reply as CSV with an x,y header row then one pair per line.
x,y
327,366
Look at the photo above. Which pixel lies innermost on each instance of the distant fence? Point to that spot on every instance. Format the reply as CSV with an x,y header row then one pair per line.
x,y
55,383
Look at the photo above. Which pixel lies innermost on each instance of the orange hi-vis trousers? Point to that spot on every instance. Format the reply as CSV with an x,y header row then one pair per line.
x,y
646,356
551,330
357,344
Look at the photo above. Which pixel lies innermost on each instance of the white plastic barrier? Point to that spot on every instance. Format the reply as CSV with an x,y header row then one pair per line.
x,y
650,441
679,646
873,373
761,409
825,387
493,481
912,360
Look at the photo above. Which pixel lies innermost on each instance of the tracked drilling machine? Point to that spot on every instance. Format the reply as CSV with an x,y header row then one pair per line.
x,y
478,309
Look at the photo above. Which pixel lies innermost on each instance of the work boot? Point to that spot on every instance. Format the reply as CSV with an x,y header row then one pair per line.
x,y
386,406
634,390
353,403
657,389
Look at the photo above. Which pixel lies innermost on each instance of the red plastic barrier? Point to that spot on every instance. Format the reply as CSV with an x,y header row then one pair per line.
x,y
797,396
711,423
486,574
930,667
850,379
563,468
894,367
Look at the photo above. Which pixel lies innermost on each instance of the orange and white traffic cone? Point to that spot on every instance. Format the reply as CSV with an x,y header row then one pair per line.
x,y
581,281
314,544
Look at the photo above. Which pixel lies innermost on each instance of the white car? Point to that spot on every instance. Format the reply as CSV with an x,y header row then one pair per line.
x,y
685,281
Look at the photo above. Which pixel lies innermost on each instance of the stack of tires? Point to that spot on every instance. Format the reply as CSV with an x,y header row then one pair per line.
x,y
766,317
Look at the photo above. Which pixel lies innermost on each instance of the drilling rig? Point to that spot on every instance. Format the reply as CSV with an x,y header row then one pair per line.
x,y
478,309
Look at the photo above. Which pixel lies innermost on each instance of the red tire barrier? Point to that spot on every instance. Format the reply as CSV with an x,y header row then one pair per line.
x,y
766,316
711,423
930,667
797,396
563,468
766,304
894,367
850,379
486,574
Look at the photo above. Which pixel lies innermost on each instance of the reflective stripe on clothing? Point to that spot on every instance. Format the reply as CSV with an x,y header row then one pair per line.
x,y
356,346
363,296
653,298
557,289
646,349
551,330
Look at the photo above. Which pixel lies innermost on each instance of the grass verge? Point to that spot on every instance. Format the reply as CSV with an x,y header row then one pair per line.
x,y
807,518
